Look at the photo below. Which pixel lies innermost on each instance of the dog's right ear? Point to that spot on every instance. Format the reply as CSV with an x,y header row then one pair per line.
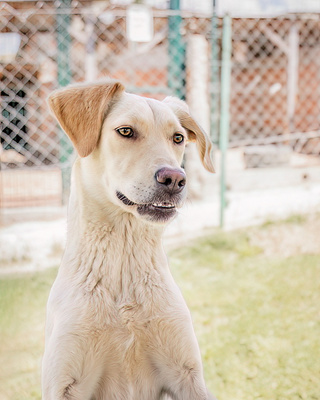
x,y
81,110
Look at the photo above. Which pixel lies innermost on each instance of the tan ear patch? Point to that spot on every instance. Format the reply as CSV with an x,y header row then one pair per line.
x,y
81,110
195,132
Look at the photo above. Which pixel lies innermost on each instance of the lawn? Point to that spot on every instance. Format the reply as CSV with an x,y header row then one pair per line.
x,y
257,318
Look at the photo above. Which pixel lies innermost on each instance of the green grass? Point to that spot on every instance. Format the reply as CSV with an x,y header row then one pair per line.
x,y
257,320
22,317
295,219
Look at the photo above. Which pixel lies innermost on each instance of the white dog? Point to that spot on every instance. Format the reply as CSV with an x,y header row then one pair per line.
x,y
117,325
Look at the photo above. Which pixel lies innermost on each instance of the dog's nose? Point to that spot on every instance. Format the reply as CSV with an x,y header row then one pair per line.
x,y
173,179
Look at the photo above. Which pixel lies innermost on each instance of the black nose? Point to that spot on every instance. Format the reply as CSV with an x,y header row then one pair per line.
x,y
173,179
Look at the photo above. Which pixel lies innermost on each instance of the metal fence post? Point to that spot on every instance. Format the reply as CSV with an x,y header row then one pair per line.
x,y
64,78
224,109
214,90
176,50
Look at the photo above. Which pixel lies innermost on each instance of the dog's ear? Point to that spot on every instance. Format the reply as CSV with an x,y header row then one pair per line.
x,y
195,132
81,110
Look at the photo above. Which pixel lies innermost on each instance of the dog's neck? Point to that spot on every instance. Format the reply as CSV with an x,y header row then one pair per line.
x,y
112,245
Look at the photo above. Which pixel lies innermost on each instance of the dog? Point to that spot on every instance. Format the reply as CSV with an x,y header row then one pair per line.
x,y
117,325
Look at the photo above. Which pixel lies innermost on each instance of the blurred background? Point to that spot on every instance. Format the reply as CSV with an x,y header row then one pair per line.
x,y
250,73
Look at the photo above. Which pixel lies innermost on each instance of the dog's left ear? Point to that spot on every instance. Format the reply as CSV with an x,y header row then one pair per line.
x,y
81,110
195,132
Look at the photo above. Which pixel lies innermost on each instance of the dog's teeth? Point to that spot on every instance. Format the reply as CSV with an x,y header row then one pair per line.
x,y
163,205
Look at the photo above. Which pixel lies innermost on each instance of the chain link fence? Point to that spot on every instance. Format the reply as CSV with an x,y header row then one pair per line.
x,y
275,98
45,45
275,84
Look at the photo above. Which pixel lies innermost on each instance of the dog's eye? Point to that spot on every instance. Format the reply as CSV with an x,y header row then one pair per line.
x,y
125,131
178,138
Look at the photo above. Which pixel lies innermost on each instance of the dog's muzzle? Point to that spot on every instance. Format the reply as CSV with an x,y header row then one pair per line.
x,y
168,195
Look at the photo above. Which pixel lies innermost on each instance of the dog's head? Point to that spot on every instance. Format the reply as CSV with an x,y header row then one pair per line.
x,y
131,147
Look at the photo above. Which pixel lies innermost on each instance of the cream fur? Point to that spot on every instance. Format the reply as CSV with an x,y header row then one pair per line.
x,y
117,325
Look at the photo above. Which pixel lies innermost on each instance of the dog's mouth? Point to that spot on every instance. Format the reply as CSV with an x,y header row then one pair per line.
x,y
125,199
155,210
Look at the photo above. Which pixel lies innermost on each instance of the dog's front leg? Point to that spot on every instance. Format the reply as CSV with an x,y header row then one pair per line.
x,y
68,370
178,360
183,377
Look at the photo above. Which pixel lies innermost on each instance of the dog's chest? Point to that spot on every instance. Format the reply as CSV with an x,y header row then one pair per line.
x,y
127,341
133,320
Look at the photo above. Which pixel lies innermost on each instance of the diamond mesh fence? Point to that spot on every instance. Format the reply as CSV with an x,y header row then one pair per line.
x,y
46,45
275,98
275,83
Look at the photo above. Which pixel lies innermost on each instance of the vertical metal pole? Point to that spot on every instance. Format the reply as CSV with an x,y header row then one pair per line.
x,y
293,74
225,109
176,50
214,90
64,42
90,61
64,78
